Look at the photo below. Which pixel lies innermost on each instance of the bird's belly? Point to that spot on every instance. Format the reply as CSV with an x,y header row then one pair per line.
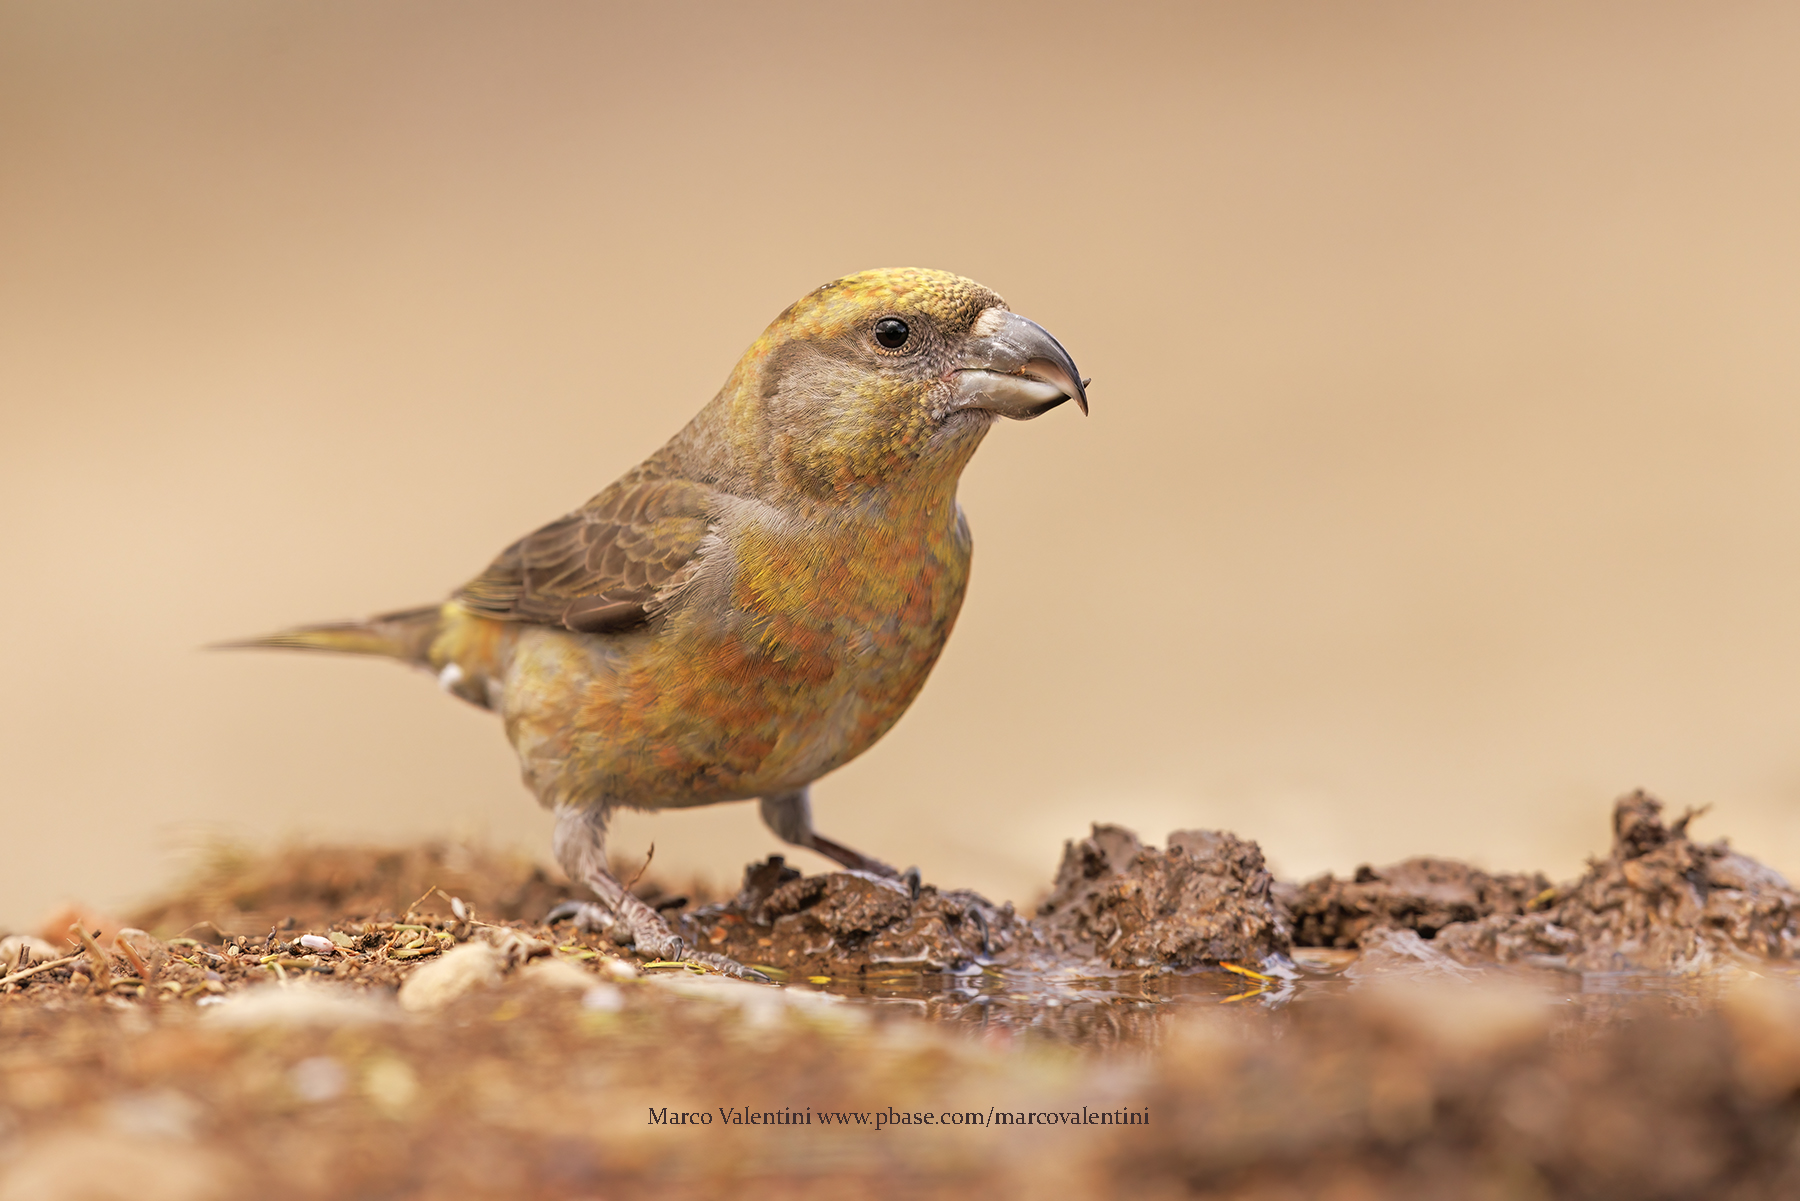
x,y
653,721
764,679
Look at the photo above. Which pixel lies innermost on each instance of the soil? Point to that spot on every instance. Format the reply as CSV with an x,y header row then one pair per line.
x,y
234,891
1205,900
1115,905
347,1022
846,924
1659,902
1418,1090
1423,895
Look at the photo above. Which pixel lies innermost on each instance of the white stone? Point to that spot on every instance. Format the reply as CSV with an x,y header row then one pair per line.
x,y
460,971
557,973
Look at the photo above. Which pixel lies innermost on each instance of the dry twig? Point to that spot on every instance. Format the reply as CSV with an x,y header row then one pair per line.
x,y
42,967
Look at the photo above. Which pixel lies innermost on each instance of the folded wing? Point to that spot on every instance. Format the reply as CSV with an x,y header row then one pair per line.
x,y
610,565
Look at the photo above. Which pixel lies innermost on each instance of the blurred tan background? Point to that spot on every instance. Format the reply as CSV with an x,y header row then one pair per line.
x,y
1443,478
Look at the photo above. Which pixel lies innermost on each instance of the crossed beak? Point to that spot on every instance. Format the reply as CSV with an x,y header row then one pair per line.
x,y
1013,367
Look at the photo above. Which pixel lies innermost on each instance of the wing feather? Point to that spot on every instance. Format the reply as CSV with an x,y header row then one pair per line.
x,y
604,566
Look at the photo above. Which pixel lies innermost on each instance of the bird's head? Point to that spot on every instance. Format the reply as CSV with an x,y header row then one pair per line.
x,y
875,377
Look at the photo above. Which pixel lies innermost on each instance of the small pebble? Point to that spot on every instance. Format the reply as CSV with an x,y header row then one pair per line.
x,y
466,968
557,973
313,942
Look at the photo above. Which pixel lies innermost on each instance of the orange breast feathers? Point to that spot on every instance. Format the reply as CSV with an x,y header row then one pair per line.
x,y
823,645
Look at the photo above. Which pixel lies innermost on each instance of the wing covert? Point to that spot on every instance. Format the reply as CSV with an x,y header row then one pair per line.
x,y
604,566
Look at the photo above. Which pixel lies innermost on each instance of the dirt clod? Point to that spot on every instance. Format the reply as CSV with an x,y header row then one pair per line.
x,y
1205,899
1423,895
1659,902
844,905
849,923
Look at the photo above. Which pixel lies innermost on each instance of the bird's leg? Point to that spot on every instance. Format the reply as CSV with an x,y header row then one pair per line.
x,y
789,814
580,847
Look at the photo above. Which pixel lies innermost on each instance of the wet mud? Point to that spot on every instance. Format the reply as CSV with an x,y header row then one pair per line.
x,y
847,924
1659,902
1115,905
1423,895
1205,899
345,1022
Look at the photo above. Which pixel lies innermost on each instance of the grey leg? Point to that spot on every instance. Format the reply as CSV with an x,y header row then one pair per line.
x,y
580,847
789,814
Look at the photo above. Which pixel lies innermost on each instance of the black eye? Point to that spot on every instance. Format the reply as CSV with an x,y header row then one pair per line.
x,y
891,332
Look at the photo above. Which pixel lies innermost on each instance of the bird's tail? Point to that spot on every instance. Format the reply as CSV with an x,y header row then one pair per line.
x,y
406,636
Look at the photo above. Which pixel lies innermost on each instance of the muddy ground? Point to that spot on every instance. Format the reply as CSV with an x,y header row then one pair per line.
x,y
346,1022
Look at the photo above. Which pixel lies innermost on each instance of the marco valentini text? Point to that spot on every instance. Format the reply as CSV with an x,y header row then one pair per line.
x,y
881,1119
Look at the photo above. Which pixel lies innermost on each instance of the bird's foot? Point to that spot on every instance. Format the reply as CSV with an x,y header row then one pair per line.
x,y
639,926
727,967
645,931
593,917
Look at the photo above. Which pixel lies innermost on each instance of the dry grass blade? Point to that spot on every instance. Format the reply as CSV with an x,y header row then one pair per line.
x,y
122,943
423,897
102,965
639,874
15,977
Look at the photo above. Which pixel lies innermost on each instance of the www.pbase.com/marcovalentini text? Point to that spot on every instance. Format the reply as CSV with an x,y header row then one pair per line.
x,y
881,1119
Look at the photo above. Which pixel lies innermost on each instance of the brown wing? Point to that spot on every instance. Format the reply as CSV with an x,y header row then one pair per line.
x,y
601,567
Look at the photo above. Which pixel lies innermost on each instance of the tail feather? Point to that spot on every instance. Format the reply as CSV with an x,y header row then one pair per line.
x,y
406,635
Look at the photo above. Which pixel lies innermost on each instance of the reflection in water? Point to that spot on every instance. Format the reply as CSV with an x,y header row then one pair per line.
x,y
1133,1010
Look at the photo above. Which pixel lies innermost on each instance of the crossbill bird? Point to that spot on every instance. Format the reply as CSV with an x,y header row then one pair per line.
x,y
760,600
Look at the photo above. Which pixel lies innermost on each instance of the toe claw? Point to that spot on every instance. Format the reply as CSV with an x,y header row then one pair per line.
x,y
587,915
564,911
728,967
